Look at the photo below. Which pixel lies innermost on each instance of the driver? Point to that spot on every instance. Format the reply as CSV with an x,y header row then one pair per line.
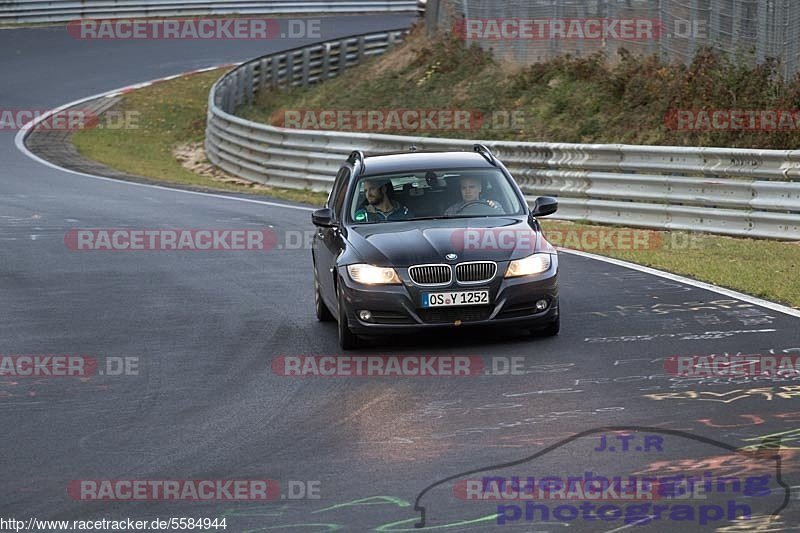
x,y
380,206
470,193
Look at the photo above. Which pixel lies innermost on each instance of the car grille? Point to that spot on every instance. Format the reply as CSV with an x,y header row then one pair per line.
x,y
430,274
448,316
475,272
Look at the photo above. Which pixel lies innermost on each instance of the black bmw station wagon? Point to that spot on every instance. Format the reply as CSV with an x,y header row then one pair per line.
x,y
431,240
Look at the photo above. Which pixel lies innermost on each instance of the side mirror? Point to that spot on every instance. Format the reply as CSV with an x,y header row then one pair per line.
x,y
322,217
543,206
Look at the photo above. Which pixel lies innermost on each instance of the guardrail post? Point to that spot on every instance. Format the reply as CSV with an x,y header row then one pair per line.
x,y
274,78
326,62
263,73
360,53
306,60
289,69
236,86
342,64
249,83
230,92
240,86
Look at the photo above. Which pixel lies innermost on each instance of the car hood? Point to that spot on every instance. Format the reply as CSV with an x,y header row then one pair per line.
x,y
429,241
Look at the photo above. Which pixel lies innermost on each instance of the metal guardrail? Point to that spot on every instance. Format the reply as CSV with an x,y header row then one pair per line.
x,y
20,11
719,190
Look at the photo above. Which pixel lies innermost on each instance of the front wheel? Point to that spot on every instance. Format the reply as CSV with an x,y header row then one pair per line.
x,y
323,313
347,339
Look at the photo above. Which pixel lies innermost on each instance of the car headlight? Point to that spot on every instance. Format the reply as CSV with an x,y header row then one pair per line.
x,y
528,266
372,275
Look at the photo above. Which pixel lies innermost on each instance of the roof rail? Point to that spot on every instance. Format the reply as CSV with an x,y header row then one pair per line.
x,y
485,152
355,156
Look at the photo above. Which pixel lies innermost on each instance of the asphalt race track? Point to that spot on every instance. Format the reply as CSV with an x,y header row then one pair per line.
x,y
205,327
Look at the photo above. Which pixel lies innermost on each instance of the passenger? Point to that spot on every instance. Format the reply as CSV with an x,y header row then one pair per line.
x,y
380,206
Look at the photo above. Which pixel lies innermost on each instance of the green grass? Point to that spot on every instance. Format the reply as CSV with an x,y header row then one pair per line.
x,y
166,115
763,268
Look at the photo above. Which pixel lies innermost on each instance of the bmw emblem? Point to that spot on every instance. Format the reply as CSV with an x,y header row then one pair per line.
x,y
451,257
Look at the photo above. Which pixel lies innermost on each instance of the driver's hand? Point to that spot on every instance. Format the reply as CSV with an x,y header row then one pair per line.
x,y
492,203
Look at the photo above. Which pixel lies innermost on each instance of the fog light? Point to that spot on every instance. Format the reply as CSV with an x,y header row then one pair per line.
x,y
541,305
366,316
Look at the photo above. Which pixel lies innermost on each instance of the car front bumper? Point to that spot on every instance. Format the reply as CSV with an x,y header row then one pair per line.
x,y
397,308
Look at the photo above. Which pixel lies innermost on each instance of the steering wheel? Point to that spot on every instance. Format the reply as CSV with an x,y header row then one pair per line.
x,y
486,208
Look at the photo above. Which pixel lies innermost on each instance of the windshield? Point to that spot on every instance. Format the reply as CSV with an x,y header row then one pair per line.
x,y
433,194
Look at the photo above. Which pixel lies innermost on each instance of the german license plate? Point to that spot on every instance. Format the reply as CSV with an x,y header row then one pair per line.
x,y
458,298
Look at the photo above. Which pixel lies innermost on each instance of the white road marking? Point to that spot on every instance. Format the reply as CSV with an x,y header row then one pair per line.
x,y
687,281
19,140
627,526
